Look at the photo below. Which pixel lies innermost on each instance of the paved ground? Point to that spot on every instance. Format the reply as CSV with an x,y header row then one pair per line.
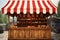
x,y
55,36
4,36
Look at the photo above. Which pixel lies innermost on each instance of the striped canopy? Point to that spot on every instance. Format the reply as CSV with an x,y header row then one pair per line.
x,y
29,6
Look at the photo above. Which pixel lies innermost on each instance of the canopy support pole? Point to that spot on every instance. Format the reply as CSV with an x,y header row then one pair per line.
x,y
8,20
51,21
13,20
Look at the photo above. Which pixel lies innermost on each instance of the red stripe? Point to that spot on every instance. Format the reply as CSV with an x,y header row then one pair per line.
x,y
8,9
22,6
47,9
53,8
15,9
41,9
5,6
34,7
28,6
46,0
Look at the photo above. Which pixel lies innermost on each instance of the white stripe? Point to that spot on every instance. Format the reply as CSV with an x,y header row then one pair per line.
x,y
5,9
14,0
12,8
50,8
11,0
44,8
53,6
31,7
25,7
37,7
19,6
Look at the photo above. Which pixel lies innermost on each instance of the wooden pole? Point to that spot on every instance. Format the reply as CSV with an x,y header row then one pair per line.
x,y
16,20
13,20
46,20
8,20
51,21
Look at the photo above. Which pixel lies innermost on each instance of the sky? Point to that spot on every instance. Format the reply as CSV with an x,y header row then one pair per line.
x,y
3,2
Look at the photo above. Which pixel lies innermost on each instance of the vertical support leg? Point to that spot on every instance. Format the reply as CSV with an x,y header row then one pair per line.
x,y
8,20
8,27
51,21
13,20
47,21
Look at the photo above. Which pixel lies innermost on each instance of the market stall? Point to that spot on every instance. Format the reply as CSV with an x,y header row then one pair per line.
x,y
31,17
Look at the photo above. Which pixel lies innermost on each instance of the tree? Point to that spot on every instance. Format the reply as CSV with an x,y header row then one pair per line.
x,y
58,15
3,18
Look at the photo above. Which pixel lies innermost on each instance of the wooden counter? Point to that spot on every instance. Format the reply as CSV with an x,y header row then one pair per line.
x,y
29,33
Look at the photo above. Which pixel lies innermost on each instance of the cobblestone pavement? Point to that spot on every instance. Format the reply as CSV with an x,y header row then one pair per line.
x,y
4,36
55,36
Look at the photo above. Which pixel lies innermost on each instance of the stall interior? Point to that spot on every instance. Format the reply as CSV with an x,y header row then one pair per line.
x,y
25,20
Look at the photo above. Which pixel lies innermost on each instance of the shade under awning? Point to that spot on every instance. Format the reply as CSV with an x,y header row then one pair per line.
x,y
29,6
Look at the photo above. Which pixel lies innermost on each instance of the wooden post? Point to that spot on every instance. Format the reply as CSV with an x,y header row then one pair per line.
x,y
51,21
8,20
13,20
47,20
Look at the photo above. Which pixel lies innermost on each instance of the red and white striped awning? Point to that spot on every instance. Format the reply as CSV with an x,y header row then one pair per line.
x,y
29,6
